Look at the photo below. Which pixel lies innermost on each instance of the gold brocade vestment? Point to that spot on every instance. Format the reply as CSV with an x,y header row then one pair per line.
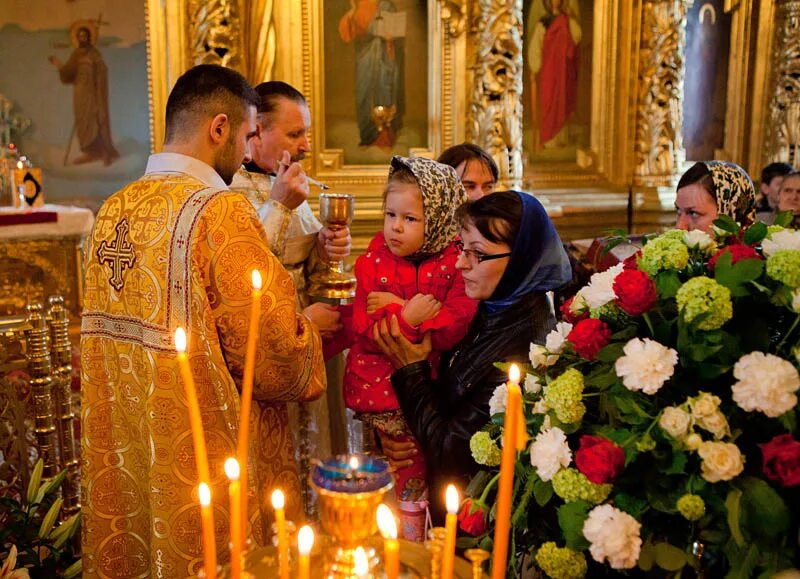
x,y
169,251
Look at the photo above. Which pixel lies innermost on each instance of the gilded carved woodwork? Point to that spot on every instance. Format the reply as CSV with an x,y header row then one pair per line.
x,y
659,149
495,107
783,128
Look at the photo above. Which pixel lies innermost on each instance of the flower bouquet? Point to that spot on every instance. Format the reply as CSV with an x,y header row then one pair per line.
x,y
662,414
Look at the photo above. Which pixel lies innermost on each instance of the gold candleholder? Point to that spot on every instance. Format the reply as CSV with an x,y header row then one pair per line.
x,y
336,212
477,557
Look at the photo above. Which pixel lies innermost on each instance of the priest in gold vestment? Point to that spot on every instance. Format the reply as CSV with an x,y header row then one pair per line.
x,y
176,248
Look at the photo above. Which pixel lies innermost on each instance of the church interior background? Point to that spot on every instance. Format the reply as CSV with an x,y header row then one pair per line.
x,y
655,85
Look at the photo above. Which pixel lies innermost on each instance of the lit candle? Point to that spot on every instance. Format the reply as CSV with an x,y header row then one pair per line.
x,y
449,553
235,494
207,520
391,547
360,563
247,392
283,539
353,466
195,420
512,437
305,541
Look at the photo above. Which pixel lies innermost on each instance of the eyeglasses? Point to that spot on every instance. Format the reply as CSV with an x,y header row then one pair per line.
x,y
477,256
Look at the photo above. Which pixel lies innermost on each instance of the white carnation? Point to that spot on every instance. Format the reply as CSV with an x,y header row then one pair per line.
x,y
675,421
721,461
600,290
557,338
699,239
532,384
498,401
540,406
646,365
541,357
766,383
550,453
780,240
614,535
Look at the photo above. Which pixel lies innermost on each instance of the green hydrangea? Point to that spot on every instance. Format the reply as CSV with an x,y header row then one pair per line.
x,y
703,295
610,313
561,562
784,266
484,449
645,444
564,395
667,251
774,229
572,485
692,507
676,234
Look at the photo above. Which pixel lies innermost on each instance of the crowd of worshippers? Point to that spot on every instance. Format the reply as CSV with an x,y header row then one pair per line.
x,y
458,278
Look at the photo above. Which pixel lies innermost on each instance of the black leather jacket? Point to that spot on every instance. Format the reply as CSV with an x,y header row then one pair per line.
x,y
443,414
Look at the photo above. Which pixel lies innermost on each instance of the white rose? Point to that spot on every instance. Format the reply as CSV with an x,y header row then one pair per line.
x,y
704,405
699,239
721,461
613,535
715,423
557,338
550,453
675,421
780,240
600,290
540,406
498,401
766,384
578,305
646,365
532,384
541,357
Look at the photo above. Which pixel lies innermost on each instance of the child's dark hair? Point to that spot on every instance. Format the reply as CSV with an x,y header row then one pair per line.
x,y
399,174
497,216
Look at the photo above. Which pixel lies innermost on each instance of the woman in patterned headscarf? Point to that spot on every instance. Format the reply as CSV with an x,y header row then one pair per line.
x,y
713,188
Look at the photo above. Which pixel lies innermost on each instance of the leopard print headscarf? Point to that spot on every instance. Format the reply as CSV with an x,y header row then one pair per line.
x,y
734,191
442,194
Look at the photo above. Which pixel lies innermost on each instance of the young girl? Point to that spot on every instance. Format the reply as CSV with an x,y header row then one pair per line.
x,y
409,272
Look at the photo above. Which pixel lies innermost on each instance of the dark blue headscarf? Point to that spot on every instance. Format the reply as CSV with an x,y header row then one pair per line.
x,y
538,261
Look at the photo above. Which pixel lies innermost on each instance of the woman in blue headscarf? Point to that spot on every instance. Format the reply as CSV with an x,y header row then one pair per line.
x,y
511,256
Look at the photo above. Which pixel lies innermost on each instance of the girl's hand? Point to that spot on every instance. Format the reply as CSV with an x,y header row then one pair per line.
x,y
378,300
420,308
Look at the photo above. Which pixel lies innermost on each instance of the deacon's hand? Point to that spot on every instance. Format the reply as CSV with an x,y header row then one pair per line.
x,y
396,346
334,245
325,317
290,187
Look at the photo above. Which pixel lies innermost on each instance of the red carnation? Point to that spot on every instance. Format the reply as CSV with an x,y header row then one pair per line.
x,y
599,459
632,261
635,291
570,316
782,460
472,517
589,337
738,252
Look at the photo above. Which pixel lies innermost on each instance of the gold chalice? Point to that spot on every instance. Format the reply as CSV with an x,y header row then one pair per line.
x,y
336,212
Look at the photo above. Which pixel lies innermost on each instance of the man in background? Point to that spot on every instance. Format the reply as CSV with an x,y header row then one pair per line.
x,y
789,197
771,179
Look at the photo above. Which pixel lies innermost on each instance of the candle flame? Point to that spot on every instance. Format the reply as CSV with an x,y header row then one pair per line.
x,y
256,279
360,563
305,540
451,499
20,165
277,499
232,469
513,374
205,494
386,522
180,340
354,462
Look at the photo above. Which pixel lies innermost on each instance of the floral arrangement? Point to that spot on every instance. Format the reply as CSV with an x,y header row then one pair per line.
x,y
662,414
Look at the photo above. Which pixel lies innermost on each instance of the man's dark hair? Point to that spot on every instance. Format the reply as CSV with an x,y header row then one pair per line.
x,y
204,91
496,216
458,154
270,93
698,174
773,170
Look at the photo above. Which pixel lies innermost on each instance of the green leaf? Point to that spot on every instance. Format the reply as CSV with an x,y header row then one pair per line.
x,y
542,492
36,478
736,276
733,505
765,514
55,482
726,224
788,420
677,465
742,561
667,283
784,218
611,352
73,570
669,557
571,517
647,557
755,233
632,505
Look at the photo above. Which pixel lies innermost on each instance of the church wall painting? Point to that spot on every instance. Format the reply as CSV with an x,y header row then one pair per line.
x,y
78,71
376,78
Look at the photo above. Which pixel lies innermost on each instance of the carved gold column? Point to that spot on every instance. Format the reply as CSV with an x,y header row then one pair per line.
x,y
495,108
783,130
215,33
61,354
40,366
659,153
